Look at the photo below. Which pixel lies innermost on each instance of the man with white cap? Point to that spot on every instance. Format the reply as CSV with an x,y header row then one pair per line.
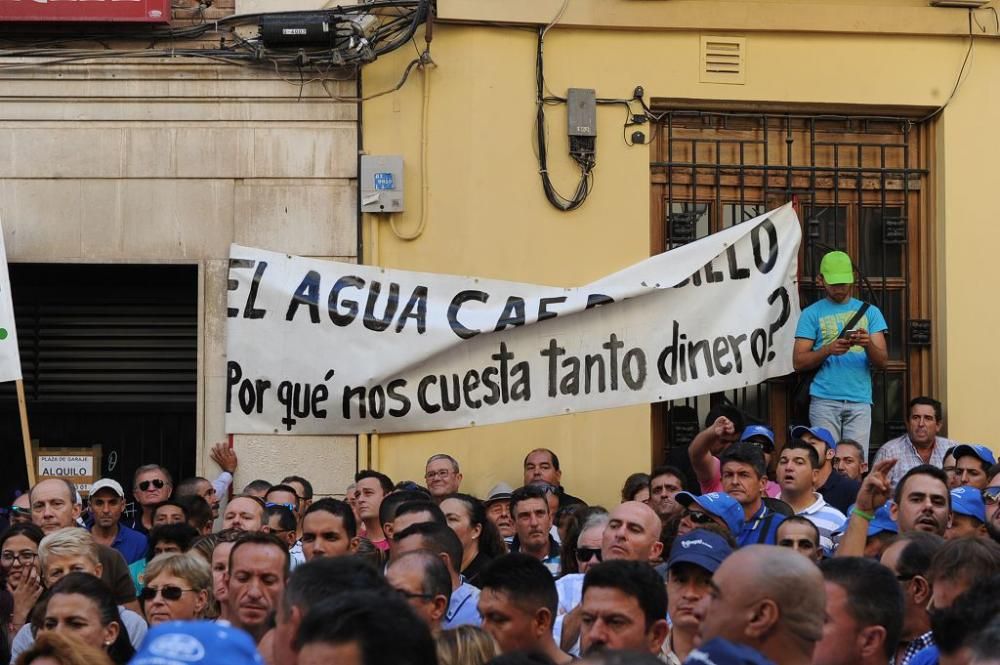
x,y
843,355
107,502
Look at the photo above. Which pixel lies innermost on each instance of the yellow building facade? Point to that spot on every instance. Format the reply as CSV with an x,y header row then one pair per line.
x,y
465,129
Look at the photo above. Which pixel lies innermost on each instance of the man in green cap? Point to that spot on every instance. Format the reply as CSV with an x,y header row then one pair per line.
x,y
841,392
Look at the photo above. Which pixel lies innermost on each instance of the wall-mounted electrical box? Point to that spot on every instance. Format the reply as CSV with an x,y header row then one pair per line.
x,y
381,183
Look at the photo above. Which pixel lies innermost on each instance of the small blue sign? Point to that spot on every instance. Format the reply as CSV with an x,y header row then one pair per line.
x,y
384,181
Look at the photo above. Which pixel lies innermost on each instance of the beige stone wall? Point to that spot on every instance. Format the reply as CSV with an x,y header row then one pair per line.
x,y
169,161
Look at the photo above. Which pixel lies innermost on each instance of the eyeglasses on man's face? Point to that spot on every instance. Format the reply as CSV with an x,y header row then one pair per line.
x,y
585,554
699,517
991,496
155,482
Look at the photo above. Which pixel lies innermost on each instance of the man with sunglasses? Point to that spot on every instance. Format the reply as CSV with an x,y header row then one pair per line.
x,y
991,497
286,496
713,508
423,580
20,510
152,484
909,558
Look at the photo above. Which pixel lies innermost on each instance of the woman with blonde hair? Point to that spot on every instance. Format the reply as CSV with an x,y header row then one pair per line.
x,y
465,645
59,649
178,588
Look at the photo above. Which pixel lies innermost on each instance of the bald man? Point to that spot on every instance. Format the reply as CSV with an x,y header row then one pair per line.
x,y
770,599
632,534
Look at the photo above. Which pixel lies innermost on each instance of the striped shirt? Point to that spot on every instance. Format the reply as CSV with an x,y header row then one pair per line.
x,y
828,520
905,453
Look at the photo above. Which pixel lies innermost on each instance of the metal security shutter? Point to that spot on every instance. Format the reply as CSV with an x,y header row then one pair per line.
x,y
109,356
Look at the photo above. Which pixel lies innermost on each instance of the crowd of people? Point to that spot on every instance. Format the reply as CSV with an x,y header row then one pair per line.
x,y
793,554
797,555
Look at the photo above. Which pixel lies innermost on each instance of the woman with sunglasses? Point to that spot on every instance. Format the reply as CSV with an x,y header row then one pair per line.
x,y
19,566
81,605
177,588
481,542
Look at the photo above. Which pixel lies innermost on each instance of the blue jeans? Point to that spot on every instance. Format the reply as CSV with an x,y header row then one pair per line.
x,y
845,420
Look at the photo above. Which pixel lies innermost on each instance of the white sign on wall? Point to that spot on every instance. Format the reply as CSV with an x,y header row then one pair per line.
x,y
321,347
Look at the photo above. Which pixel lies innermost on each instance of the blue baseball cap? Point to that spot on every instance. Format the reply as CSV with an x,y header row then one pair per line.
x,y
757,430
702,548
719,504
720,651
192,642
818,432
981,452
967,500
882,523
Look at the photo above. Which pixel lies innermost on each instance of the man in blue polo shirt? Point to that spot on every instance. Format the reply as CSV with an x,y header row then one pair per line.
x,y
743,478
107,502
841,391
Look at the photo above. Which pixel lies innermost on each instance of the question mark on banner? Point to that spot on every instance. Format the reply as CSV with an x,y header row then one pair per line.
x,y
786,310
112,461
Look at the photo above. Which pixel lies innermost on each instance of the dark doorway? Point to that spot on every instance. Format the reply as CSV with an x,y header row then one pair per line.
x,y
109,357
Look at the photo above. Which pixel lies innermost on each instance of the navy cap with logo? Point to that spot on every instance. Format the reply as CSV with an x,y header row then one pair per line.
x,y
702,548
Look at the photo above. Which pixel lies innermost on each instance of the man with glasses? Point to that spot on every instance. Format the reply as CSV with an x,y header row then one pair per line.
x,y
282,524
286,496
151,485
442,475
20,510
908,558
422,579
991,497
715,508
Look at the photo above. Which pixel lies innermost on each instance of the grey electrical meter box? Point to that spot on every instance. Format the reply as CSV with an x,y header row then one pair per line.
x,y
381,183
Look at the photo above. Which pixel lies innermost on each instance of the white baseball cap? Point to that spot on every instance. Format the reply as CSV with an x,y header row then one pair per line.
x,y
107,483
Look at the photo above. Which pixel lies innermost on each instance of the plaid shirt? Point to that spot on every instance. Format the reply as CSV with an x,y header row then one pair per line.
x,y
903,450
918,644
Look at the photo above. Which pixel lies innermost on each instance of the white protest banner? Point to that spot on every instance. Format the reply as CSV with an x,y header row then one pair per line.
x,y
320,347
10,357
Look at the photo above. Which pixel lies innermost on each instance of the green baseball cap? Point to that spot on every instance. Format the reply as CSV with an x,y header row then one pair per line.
x,y
836,268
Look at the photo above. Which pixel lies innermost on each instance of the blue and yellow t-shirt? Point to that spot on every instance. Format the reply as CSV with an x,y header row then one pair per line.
x,y
847,377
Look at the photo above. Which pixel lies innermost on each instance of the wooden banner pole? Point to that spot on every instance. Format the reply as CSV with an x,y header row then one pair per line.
x,y
29,459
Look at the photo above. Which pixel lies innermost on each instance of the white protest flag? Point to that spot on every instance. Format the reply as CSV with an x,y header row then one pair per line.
x,y
10,357
320,347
